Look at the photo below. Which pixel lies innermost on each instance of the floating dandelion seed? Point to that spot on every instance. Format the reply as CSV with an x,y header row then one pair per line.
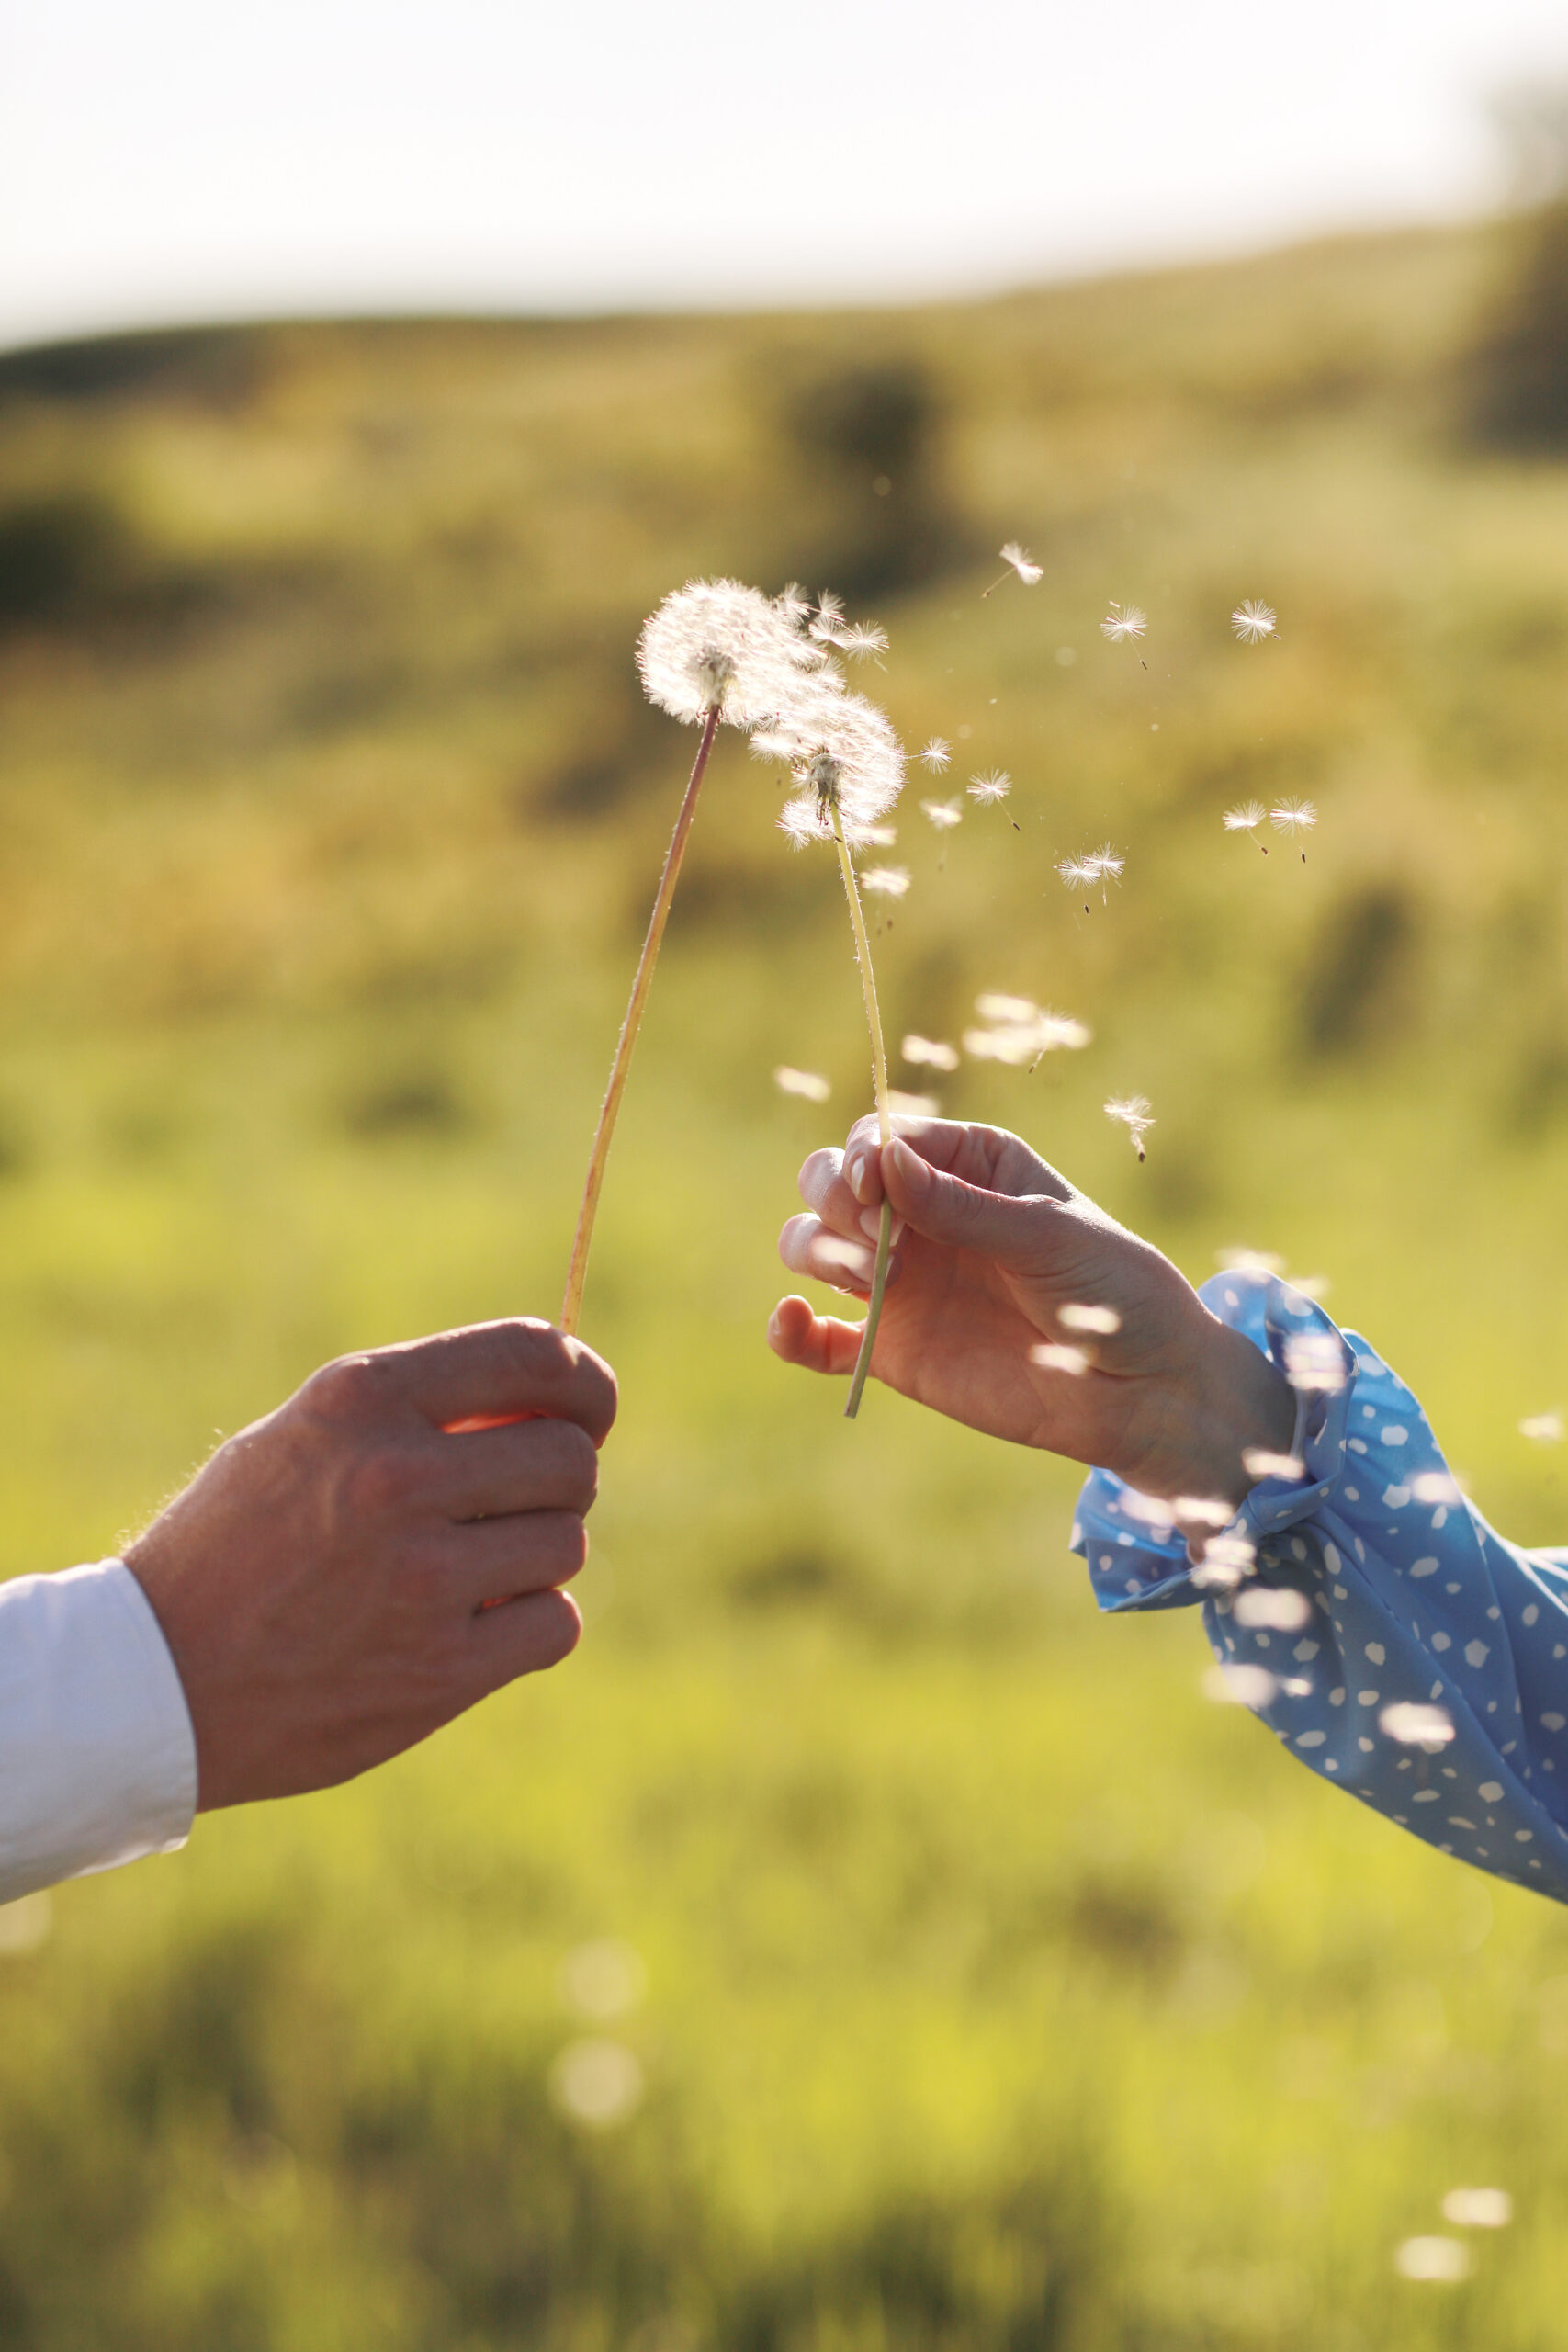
x,y
713,651
1107,863
936,755
930,1052
1412,1723
1249,1261
805,1082
861,641
1294,817
1545,1429
1253,621
1016,559
1436,1486
1133,1113
1315,1361
944,814
886,881
1239,1686
1123,624
1204,1511
990,788
1258,1463
1018,1043
1091,1318
1443,2261
912,1106
1479,2209
1226,1559
994,1007
870,836
1281,1612
1246,819
1051,1357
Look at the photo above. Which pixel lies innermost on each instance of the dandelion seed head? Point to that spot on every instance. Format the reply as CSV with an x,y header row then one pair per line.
x,y
715,642
1123,624
840,749
1245,817
936,755
885,881
990,788
1253,620
1131,1112
1294,817
807,1083
930,1052
1027,571
944,814
1051,1356
1090,1318
1412,1723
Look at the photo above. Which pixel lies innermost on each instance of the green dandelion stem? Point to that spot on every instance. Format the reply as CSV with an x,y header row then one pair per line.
x,y
577,1273
884,1125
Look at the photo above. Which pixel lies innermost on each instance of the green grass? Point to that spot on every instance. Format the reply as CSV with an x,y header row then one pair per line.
x,y
1002,1993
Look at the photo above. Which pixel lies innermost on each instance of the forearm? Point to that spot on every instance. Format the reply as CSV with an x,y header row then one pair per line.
x,y
97,1764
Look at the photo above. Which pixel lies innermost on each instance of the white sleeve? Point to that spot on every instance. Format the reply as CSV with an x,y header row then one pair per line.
x,y
97,1757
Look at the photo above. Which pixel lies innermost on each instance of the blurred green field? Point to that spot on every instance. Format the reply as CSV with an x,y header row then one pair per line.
x,y
1001,1995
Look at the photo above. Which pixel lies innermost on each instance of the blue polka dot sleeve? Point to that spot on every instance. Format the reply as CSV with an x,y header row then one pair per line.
x,y
1379,1627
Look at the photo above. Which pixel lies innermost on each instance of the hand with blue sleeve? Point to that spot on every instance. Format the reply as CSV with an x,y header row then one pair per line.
x,y
1363,1608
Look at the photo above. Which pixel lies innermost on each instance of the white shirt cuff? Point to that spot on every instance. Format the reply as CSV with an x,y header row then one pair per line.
x,y
97,1757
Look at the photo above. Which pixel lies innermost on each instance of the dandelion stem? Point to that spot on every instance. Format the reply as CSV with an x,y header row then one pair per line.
x,y
577,1273
884,1123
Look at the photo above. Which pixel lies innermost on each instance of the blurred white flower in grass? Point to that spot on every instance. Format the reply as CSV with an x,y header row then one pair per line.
x,y
596,2082
912,1106
1258,1463
1123,624
1017,560
1280,1610
1253,620
1051,1356
1315,1361
1245,817
1294,817
942,814
809,1084
1239,1686
1131,1112
602,1979
936,755
1090,1319
991,788
1544,1428
1478,2209
25,1925
1415,1723
931,1051
1442,2260
885,881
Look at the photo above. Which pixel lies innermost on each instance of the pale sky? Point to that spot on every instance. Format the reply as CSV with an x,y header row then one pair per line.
x,y
166,161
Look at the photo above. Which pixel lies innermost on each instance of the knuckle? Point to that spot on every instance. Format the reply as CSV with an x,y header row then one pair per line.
x,y
349,1389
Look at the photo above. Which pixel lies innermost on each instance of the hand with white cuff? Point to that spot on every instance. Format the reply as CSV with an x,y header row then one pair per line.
x,y
1015,1304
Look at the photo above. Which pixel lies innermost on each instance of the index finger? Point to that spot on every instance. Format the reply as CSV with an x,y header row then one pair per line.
x,y
500,1372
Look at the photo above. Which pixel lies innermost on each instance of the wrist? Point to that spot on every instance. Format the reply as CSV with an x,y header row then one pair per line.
x,y
1235,1400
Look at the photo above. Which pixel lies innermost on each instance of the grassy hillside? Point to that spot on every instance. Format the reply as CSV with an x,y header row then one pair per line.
x,y
999,1992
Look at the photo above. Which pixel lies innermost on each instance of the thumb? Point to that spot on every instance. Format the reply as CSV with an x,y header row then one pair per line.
x,y
965,1216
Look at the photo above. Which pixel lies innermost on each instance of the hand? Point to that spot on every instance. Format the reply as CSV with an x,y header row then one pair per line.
x,y
995,1251
324,1584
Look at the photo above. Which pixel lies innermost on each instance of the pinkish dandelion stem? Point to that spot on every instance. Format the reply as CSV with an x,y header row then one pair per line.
x,y
577,1273
884,1122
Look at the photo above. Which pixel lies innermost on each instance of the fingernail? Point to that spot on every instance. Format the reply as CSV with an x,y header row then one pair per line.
x,y
854,1175
871,1224
914,1173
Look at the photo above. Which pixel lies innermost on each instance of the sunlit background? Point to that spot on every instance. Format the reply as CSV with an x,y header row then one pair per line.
x,y
859,1946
